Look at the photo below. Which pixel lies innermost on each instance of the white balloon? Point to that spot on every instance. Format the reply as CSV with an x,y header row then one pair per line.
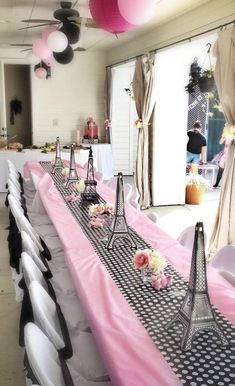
x,y
57,41
32,59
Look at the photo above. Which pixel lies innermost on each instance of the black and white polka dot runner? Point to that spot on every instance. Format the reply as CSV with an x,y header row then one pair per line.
x,y
206,363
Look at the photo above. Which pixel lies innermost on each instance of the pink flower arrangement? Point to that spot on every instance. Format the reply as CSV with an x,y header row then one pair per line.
x,y
101,209
107,122
152,263
141,259
161,281
97,223
71,198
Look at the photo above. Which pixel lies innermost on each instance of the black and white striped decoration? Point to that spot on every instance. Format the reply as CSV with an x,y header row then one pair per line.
x,y
207,363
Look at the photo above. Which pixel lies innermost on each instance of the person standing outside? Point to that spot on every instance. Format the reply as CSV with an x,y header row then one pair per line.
x,y
196,146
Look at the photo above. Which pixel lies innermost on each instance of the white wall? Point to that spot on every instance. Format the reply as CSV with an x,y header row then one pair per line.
x,y
61,104
171,117
209,15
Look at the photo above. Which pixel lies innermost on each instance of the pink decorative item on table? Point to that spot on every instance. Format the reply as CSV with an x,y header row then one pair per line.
x,y
71,198
107,16
152,263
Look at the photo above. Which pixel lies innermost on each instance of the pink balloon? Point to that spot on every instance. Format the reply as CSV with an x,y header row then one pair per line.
x,y
41,73
47,31
50,62
137,11
41,50
107,16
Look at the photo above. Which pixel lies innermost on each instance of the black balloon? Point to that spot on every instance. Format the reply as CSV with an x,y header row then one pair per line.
x,y
65,56
62,14
71,31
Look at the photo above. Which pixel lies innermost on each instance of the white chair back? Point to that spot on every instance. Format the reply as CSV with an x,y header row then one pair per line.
x,y
112,183
98,176
31,271
224,259
186,238
45,314
15,207
153,217
43,357
12,167
24,225
29,247
127,191
15,180
13,190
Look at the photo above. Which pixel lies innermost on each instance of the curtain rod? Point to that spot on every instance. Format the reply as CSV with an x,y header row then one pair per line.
x,y
171,44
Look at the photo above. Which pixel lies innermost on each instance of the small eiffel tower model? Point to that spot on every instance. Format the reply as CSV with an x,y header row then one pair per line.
x,y
73,177
119,228
58,161
196,313
90,194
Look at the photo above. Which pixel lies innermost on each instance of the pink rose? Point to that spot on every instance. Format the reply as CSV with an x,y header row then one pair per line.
x,y
141,259
100,210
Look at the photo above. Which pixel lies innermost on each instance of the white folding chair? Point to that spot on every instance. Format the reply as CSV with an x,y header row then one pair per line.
x,y
43,358
45,314
112,183
153,217
98,176
224,259
127,191
12,168
31,249
15,207
186,238
70,304
134,204
47,319
13,190
15,180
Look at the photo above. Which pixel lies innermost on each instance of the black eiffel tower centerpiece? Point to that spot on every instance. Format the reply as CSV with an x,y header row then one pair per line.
x,y
119,229
196,313
90,194
58,161
73,177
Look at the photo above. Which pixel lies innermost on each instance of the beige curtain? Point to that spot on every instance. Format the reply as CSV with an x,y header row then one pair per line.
x,y
224,227
143,90
107,103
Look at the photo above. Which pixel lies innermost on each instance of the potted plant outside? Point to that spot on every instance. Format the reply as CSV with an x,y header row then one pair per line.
x,y
196,186
206,82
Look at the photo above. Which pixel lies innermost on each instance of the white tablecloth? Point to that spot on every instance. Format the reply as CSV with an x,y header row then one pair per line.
x,y
19,159
104,159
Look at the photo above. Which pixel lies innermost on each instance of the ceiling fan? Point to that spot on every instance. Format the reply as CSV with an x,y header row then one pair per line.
x,y
66,18
62,15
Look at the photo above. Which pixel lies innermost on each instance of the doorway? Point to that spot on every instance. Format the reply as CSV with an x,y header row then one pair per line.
x,y
18,103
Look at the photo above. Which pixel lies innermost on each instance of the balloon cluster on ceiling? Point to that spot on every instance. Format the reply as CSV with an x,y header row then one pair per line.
x,y
119,16
55,44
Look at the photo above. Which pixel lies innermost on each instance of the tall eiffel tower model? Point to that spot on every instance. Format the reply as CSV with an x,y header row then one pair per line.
x,y
58,161
90,194
196,313
73,177
119,228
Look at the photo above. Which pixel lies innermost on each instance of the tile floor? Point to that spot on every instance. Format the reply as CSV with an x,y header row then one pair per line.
x,y
172,219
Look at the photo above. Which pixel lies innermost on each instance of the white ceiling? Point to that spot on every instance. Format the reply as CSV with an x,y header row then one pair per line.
x,y
13,11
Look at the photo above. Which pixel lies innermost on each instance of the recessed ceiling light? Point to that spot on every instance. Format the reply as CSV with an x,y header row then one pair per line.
x,y
4,21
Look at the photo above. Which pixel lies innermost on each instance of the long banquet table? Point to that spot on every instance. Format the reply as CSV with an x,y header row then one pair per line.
x,y
131,357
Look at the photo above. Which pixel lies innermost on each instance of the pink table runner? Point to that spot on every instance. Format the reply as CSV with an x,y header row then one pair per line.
x,y
129,353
